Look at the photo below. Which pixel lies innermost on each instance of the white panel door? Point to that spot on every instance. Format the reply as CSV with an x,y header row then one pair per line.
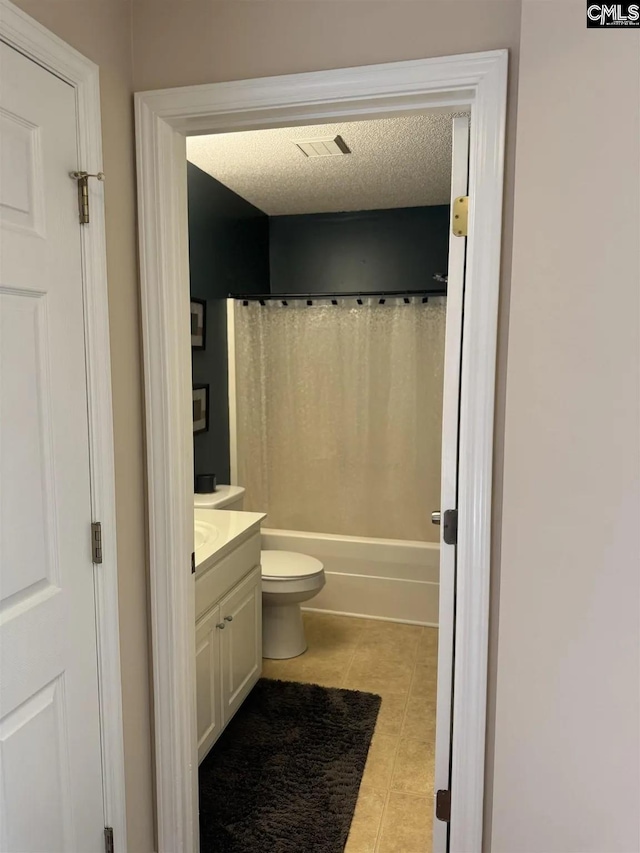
x,y
241,641
449,483
51,781
208,681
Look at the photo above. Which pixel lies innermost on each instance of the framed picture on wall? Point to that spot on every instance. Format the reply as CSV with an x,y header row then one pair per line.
x,y
198,323
200,408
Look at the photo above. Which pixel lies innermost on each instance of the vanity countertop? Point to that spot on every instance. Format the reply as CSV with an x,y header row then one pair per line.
x,y
219,531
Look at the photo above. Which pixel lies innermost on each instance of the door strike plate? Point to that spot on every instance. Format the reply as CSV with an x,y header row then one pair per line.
x,y
460,216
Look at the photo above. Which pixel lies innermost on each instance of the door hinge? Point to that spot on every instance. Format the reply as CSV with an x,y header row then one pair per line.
x,y
82,179
108,840
443,805
96,542
193,563
450,526
460,216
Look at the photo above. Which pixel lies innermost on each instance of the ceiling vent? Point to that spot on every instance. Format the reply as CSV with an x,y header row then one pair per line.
x,y
324,146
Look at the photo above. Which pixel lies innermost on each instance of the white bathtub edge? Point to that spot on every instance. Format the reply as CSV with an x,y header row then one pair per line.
x,y
369,578
364,616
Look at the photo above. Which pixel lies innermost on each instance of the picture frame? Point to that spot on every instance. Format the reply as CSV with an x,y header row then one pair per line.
x,y
200,408
198,324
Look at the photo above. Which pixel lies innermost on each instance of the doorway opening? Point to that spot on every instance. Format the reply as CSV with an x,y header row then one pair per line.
x,y
332,242
474,84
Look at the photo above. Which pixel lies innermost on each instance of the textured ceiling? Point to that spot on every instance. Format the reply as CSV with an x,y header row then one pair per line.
x,y
396,162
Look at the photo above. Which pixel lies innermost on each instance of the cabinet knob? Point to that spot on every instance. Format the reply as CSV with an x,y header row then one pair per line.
x,y
228,618
220,625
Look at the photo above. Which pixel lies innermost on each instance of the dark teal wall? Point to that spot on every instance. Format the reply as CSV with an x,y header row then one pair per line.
x,y
228,251
369,250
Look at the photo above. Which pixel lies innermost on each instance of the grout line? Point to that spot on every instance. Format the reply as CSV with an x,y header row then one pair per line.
x,y
376,845
345,677
356,646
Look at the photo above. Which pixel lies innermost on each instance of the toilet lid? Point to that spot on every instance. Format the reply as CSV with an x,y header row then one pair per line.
x,y
288,564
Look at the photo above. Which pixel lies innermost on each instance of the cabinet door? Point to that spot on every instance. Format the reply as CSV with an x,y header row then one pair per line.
x,y
209,702
241,641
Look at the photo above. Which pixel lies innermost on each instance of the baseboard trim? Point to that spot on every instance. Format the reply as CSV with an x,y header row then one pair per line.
x,y
384,598
373,618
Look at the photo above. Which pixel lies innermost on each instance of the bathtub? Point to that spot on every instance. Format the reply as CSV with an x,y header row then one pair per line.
x,y
378,578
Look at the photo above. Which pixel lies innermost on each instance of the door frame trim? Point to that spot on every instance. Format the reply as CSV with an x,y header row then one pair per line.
x,y
30,38
162,119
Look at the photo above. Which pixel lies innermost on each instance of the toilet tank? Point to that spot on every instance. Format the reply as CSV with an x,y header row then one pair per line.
x,y
224,497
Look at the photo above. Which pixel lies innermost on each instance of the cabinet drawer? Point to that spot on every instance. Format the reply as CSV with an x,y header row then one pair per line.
x,y
218,580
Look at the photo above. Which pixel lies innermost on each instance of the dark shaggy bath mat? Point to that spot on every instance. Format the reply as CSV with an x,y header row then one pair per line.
x,y
284,776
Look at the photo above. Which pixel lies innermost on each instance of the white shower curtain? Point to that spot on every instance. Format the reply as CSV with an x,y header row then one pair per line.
x,y
339,414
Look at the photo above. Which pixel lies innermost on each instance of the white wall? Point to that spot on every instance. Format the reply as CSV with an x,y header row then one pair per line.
x,y
567,754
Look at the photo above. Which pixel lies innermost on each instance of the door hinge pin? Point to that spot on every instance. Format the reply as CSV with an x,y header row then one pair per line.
x,y
82,179
443,805
96,542
460,216
108,840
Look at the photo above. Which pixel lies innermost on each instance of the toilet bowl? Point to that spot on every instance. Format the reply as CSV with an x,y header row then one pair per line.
x,y
288,579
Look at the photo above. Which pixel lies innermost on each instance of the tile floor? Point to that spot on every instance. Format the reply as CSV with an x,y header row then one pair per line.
x,y
393,813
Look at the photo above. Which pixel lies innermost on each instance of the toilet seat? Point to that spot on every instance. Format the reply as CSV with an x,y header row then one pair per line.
x,y
289,566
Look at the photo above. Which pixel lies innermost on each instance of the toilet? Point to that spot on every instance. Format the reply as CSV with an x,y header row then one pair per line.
x,y
288,579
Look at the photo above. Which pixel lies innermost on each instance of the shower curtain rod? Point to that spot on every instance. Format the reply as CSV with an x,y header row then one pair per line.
x,y
285,297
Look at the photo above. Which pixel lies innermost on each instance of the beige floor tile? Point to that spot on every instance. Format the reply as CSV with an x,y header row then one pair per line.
x,y
363,621
393,649
286,670
380,761
327,673
366,821
406,825
382,628
428,647
323,654
391,713
332,631
420,718
391,637
380,676
390,653
425,681
427,658
413,767
377,685
429,638
316,672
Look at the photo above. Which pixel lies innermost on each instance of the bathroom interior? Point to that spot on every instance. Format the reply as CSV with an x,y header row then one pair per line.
x,y
318,270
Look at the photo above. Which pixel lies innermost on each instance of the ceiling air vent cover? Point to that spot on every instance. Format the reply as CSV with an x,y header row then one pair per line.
x,y
324,146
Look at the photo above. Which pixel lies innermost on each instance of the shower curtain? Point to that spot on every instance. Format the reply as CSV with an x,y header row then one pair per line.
x,y
339,414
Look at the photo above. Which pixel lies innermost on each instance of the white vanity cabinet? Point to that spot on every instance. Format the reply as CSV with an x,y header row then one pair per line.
x,y
228,628
208,681
241,641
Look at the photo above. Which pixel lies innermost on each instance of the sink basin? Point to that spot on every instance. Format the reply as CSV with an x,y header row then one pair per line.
x,y
216,530
205,534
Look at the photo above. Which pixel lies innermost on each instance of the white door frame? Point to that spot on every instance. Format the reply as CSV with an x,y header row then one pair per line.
x,y
163,119
27,36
